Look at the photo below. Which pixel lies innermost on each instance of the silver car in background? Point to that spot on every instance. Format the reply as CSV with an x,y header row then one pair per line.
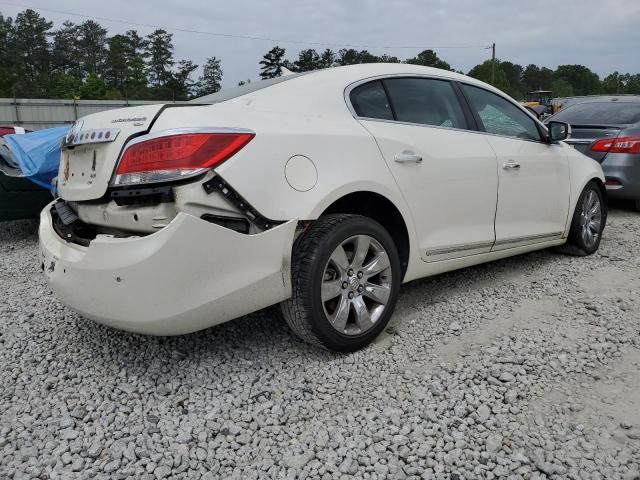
x,y
607,129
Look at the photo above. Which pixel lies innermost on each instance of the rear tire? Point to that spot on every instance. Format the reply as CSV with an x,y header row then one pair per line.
x,y
637,204
587,225
345,280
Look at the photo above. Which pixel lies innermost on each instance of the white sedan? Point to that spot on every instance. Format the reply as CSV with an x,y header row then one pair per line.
x,y
323,191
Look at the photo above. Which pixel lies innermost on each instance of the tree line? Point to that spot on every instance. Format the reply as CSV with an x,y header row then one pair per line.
x,y
514,79
83,61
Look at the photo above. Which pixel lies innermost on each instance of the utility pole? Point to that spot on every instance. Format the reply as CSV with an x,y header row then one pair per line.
x,y
493,63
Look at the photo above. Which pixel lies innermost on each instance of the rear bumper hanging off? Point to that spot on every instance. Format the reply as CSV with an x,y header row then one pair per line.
x,y
188,276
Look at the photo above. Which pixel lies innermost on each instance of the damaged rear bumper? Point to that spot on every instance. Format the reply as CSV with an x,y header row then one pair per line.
x,y
188,276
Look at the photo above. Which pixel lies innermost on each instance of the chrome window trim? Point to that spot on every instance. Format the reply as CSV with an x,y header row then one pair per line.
x,y
354,85
463,130
506,98
411,124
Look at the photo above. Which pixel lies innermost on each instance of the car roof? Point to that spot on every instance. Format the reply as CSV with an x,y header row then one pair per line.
x,y
353,73
336,78
614,98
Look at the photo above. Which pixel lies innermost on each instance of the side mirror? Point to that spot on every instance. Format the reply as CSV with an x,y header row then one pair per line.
x,y
558,131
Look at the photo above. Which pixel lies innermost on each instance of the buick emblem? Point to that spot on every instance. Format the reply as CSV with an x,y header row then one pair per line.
x,y
75,130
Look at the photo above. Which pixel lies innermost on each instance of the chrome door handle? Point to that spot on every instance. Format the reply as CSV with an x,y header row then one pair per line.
x,y
408,157
511,165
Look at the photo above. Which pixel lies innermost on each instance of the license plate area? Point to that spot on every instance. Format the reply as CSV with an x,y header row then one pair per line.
x,y
79,166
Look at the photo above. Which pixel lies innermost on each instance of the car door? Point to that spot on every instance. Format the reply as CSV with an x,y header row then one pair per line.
x,y
447,174
533,183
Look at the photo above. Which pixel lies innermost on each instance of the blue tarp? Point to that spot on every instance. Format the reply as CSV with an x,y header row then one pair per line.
x,y
38,153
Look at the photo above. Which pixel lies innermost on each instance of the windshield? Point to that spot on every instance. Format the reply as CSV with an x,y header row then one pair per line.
x,y
601,113
230,93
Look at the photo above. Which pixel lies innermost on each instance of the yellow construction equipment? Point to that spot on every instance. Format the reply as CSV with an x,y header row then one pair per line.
x,y
542,102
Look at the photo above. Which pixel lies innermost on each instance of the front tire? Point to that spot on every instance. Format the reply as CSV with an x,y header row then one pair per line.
x,y
588,222
345,279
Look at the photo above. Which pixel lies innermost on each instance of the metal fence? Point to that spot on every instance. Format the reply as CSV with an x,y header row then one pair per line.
x,y
36,114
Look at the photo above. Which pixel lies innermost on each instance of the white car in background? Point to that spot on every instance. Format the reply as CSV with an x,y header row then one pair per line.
x,y
324,191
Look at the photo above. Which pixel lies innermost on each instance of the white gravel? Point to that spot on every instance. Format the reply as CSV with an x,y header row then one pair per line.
x,y
524,368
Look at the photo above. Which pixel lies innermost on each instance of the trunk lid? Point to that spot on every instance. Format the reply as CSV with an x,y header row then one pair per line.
x,y
582,136
93,147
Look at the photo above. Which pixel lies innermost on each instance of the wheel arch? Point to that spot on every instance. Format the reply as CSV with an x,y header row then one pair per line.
x,y
598,180
381,209
605,198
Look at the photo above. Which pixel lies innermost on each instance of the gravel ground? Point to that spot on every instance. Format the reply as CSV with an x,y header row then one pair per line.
x,y
524,368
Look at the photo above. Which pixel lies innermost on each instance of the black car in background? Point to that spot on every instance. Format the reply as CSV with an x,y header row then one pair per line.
x,y
607,129
19,197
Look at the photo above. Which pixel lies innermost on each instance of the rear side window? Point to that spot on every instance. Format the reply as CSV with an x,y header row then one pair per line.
x,y
370,101
425,101
500,116
601,113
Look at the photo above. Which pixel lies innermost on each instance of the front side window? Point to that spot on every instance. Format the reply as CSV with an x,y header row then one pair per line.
x,y
370,101
500,116
425,101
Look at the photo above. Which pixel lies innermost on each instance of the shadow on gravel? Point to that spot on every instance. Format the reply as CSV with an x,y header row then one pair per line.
x,y
440,287
260,337
624,205
264,335
18,230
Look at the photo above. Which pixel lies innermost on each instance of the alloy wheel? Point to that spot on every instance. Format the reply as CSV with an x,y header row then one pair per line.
x,y
356,285
591,219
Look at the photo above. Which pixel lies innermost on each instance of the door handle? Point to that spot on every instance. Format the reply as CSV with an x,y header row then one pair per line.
x,y
511,165
406,157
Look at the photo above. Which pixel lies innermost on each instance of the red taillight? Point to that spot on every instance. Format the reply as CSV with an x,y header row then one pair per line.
x,y
172,157
617,145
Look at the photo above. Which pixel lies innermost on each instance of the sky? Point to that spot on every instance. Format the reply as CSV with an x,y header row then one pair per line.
x,y
603,35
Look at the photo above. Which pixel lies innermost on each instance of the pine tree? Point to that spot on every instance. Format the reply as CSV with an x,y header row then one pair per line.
x,y
92,47
327,59
181,84
9,66
64,52
211,79
272,63
349,56
159,53
307,60
116,64
32,46
136,79
429,58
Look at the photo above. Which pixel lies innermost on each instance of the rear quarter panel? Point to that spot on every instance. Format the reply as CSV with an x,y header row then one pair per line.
x,y
346,157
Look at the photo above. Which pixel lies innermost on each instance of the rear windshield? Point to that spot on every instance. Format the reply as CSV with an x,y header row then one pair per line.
x,y
231,93
601,113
